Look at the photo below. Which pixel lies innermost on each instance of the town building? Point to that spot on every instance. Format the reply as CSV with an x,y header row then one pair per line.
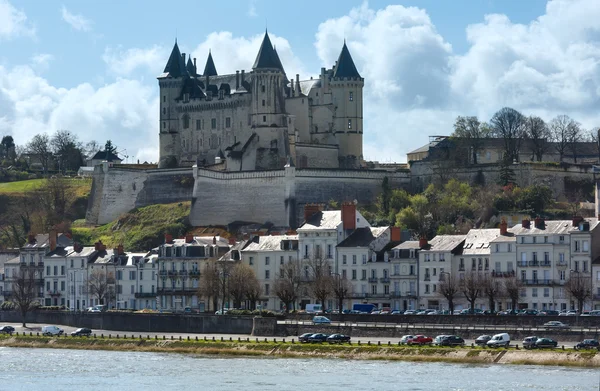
x,y
405,278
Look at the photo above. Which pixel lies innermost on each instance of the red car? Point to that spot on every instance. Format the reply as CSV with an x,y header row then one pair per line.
x,y
420,340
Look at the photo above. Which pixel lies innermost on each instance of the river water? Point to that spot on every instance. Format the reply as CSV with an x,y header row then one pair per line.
x,y
83,370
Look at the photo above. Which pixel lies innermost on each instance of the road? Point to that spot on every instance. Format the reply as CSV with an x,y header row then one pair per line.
x,y
37,327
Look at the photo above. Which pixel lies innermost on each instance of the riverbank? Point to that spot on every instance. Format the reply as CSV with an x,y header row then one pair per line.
x,y
279,348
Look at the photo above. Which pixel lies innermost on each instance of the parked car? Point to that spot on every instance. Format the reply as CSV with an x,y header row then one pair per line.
x,y
450,340
499,340
529,342
338,338
410,312
319,337
405,338
304,337
52,330
526,312
467,311
503,313
82,332
555,324
548,313
572,313
321,320
588,344
542,343
482,340
397,312
420,340
7,330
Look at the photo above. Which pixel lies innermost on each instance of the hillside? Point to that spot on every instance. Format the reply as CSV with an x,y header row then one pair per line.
x,y
81,187
138,230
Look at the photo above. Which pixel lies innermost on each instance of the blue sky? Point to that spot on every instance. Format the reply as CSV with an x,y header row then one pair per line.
x,y
90,66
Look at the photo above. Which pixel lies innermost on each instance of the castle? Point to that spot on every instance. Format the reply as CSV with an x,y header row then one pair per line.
x,y
260,120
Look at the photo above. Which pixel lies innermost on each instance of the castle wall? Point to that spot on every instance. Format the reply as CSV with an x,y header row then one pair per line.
x,y
315,156
118,190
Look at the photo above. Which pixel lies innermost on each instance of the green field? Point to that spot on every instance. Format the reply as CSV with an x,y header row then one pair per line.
x,y
82,186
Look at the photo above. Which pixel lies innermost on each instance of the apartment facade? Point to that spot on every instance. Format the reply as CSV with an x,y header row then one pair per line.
x,y
404,260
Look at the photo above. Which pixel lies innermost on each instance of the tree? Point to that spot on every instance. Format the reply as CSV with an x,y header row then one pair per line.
x,y
241,278
91,148
449,288
492,289
253,292
287,285
8,148
506,174
594,136
509,125
109,148
538,134
386,195
320,278
210,284
512,291
472,288
67,150
579,287
417,217
25,289
575,137
561,128
40,147
55,196
472,132
342,290
100,285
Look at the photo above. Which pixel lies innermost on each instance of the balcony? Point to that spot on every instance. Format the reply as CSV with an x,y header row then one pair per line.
x,y
373,280
503,274
461,268
143,295
177,291
561,263
395,294
172,274
162,274
522,264
410,294
546,264
537,282
194,273
427,277
384,280
183,273
54,293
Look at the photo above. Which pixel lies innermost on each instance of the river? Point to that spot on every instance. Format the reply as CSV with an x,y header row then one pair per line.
x,y
83,370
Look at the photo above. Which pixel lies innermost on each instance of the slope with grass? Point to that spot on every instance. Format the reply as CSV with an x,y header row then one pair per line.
x,y
138,230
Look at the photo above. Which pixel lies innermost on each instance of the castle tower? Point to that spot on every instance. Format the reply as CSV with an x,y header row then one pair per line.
x,y
209,68
347,95
170,83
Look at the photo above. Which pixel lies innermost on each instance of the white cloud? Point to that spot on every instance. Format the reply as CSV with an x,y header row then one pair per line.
x,y
77,21
41,62
415,85
13,22
252,9
125,111
123,62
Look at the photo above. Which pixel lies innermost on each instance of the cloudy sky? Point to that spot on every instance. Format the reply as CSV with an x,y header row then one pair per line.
x,y
90,67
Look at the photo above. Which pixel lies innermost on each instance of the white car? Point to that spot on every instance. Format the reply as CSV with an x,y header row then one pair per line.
x,y
52,330
321,320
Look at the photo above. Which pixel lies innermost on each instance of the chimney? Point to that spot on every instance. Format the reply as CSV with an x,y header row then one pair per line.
x,y
183,56
232,241
98,245
77,247
349,215
31,238
237,80
189,238
120,249
115,251
52,239
298,90
526,223
503,227
214,240
423,242
309,210
539,223
168,238
396,234
242,78
292,87
195,68
577,220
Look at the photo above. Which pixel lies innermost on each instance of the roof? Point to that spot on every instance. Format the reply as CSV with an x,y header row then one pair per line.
x,y
307,85
279,64
190,67
267,57
329,219
408,245
43,241
478,240
553,227
175,65
200,241
345,65
508,238
209,68
445,243
108,156
362,237
268,243
13,260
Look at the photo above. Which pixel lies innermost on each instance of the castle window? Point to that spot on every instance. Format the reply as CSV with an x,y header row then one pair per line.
x,y
264,118
186,121
164,98
263,102
186,98
164,125
262,89
164,111
349,124
198,124
228,122
213,123
351,96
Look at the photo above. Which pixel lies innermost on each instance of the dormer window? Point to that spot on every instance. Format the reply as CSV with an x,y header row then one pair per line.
x,y
262,89
186,98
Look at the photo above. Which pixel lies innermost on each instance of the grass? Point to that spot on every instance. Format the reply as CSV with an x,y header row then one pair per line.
x,y
82,186
139,229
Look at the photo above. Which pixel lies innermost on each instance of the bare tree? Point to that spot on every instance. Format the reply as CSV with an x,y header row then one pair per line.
x,y
25,287
253,292
579,287
512,290
320,276
449,288
341,289
492,289
509,125
210,284
472,288
593,136
40,147
55,196
560,132
472,132
538,134
241,278
67,150
101,285
287,285
576,135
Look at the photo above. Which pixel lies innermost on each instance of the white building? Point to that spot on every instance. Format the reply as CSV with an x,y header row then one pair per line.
x,y
404,278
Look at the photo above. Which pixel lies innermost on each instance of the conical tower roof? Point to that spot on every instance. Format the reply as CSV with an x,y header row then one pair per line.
x,y
267,57
345,65
210,69
190,67
279,64
175,66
